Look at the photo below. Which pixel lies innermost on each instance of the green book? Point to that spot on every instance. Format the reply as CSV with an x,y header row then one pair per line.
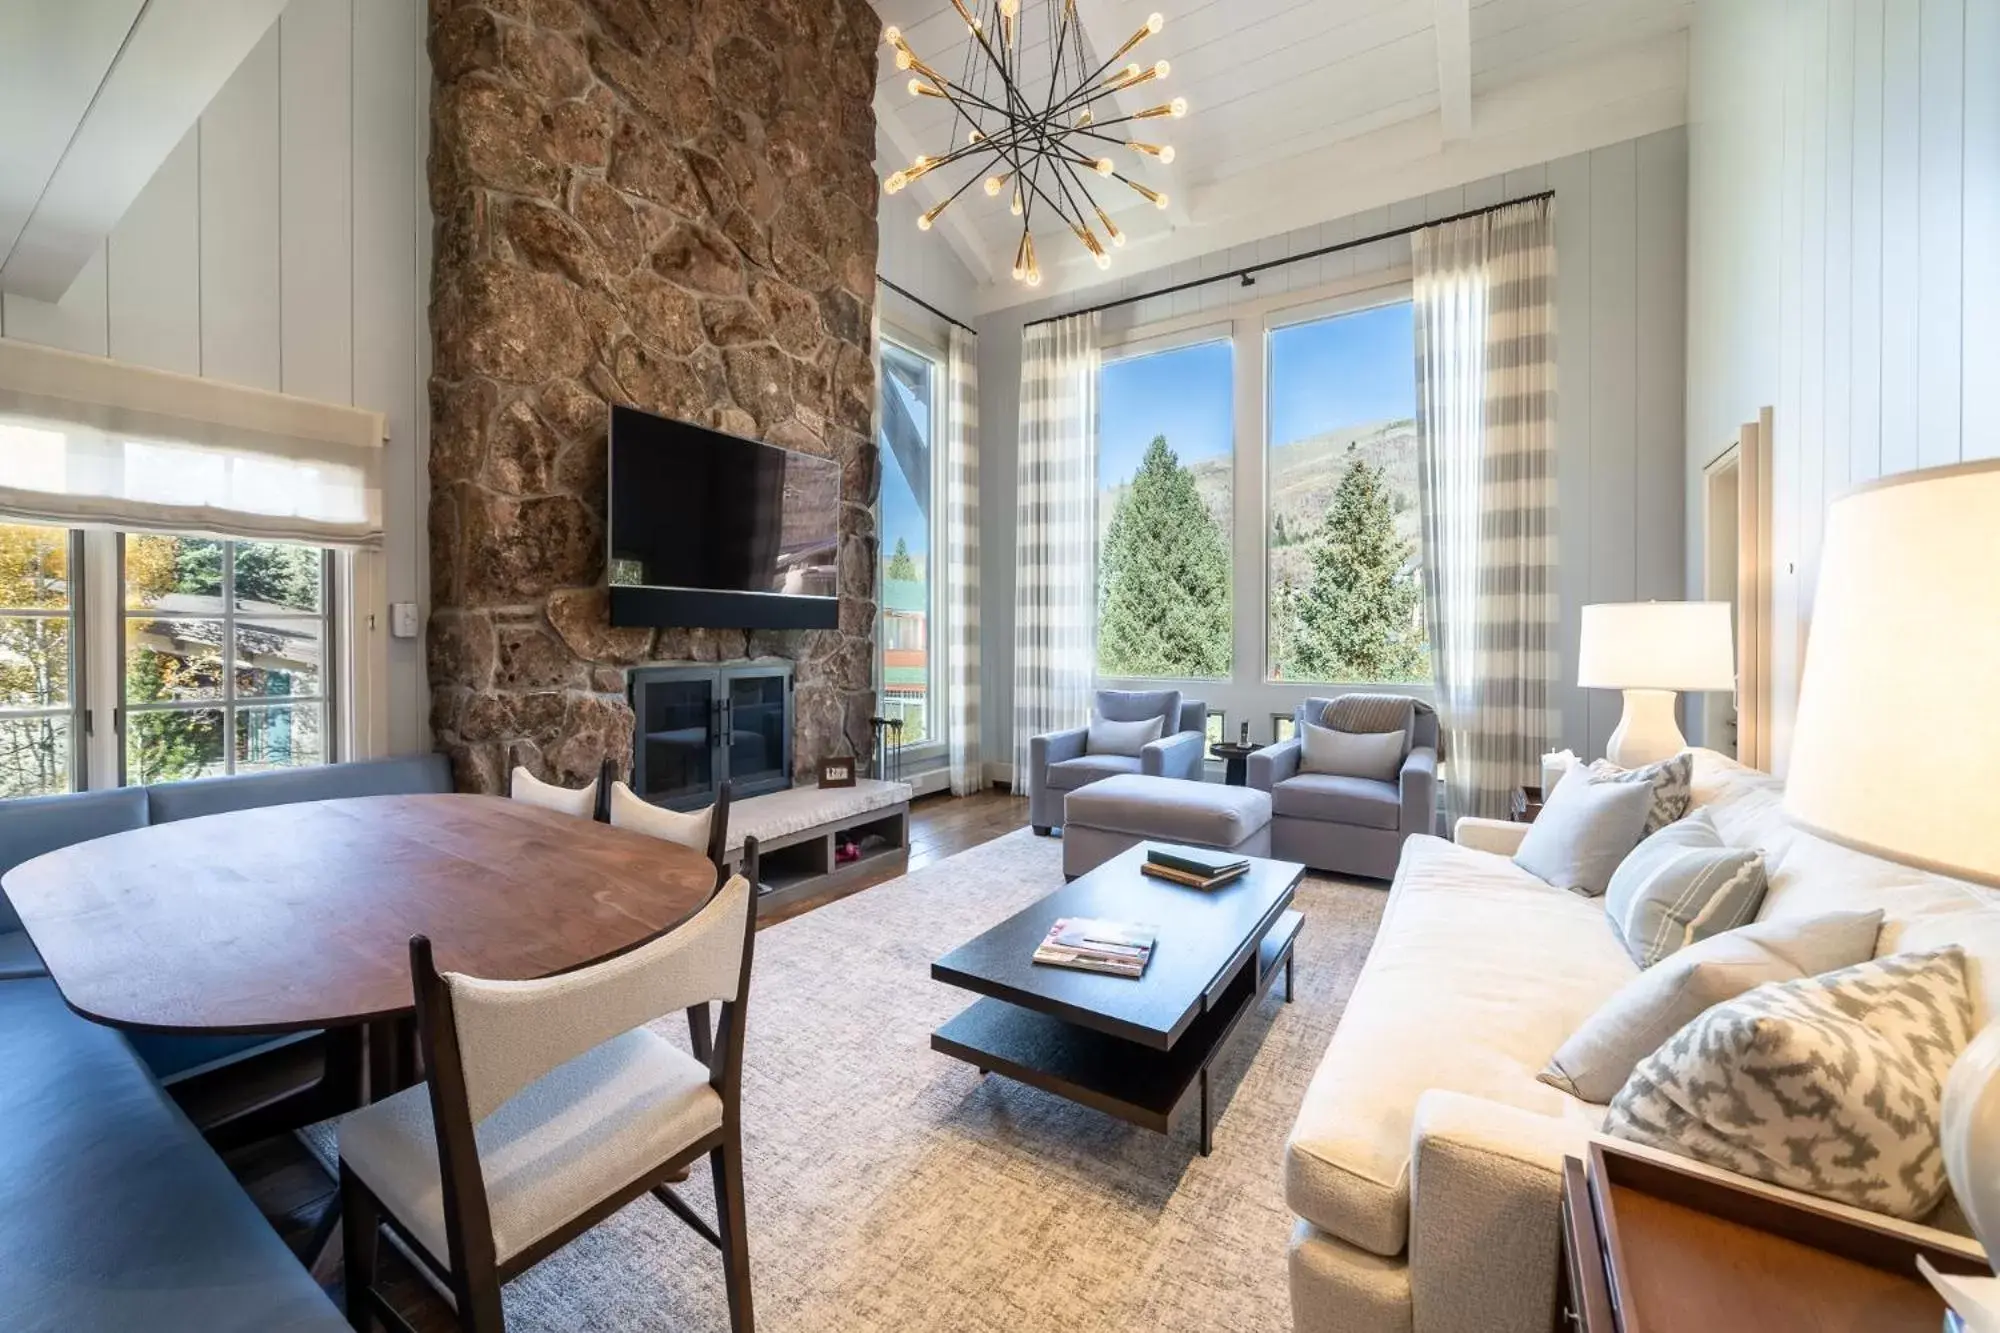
x,y
1190,861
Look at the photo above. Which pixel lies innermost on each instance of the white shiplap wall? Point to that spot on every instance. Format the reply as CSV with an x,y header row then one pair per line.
x,y
284,245
1845,205
1620,291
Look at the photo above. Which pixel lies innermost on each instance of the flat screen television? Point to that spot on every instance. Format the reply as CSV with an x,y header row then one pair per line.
x,y
709,530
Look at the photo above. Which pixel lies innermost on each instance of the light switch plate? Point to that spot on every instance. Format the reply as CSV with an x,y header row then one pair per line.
x,y
403,619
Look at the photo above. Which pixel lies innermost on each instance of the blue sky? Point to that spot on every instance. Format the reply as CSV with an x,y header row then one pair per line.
x,y
1325,374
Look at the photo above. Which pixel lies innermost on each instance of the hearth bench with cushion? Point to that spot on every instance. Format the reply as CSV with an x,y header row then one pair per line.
x,y
1424,1165
117,1213
1154,732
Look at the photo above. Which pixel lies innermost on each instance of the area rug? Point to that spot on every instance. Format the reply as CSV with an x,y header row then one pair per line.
x,y
893,1188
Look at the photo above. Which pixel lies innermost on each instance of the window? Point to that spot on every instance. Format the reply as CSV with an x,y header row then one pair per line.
x,y
1283,727
912,681
1346,599
225,656
1218,729
1166,444
38,732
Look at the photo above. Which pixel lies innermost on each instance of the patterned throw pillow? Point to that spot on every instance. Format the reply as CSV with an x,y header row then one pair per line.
x,y
1672,781
1830,1084
1681,885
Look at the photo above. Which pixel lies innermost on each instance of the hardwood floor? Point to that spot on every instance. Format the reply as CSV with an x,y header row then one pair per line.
x,y
294,1191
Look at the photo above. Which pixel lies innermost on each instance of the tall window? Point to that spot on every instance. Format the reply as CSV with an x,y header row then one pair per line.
x,y
37,683
225,649
912,682
1165,447
1346,600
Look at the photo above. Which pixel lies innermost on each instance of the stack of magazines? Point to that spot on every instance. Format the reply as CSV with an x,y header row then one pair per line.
x,y
1193,867
1117,947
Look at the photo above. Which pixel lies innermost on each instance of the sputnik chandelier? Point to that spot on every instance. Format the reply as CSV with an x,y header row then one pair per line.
x,y
1042,148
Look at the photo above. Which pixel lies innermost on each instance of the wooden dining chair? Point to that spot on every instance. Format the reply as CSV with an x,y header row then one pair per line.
x,y
549,1107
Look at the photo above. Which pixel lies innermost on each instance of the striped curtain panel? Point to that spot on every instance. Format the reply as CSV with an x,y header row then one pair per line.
x,y
1055,545
959,459
1486,405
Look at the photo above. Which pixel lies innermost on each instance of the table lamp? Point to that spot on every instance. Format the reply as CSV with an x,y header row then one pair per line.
x,y
1651,650
1896,747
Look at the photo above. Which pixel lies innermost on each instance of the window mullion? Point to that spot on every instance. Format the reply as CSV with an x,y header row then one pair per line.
x,y
229,657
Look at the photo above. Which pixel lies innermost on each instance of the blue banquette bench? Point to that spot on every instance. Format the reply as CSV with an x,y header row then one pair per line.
x,y
114,1212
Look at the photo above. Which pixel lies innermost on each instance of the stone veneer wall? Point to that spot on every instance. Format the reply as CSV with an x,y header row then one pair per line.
x,y
669,203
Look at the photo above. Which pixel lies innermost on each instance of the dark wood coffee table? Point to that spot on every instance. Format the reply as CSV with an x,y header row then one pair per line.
x,y
1138,1049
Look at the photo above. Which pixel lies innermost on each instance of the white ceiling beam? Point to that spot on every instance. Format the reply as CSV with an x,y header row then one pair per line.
x,y
1452,22
1108,24
177,57
964,238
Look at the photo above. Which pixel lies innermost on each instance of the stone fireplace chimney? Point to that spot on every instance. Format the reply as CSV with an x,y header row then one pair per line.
x,y
667,203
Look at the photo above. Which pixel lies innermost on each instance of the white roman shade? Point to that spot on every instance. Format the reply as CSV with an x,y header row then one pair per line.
x,y
88,442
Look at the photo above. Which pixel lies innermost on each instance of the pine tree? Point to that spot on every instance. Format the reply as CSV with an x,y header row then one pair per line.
x,y
1163,578
901,566
1358,619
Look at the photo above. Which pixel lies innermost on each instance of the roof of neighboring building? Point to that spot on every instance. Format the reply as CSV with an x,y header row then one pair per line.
x,y
906,678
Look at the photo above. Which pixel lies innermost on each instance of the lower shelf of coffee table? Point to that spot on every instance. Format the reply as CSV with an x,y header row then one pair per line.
x,y
1137,1084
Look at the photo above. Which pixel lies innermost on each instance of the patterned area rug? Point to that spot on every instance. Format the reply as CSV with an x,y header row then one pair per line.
x,y
892,1188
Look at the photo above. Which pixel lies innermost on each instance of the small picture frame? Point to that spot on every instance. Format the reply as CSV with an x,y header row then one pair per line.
x,y
837,772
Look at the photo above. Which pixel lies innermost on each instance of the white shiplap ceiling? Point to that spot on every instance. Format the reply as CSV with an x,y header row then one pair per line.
x,y
1301,111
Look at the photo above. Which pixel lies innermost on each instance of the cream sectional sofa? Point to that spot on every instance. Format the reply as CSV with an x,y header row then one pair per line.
x,y
1423,1167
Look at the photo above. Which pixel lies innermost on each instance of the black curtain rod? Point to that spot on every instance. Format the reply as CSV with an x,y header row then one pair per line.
x,y
909,295
1250,271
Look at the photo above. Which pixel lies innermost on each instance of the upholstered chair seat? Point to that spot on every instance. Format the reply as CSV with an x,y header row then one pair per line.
x,y
1335,799
1069,774
569,1139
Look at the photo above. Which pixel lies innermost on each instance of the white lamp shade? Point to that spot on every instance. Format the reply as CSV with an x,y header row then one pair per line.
x,y
1656,646
1896,749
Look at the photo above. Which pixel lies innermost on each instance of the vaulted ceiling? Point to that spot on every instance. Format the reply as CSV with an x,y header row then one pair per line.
x,y
1301,111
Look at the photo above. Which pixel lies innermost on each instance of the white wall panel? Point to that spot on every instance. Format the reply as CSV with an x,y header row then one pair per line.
x,y
240,332
155,268
79,322
1867,172
316,198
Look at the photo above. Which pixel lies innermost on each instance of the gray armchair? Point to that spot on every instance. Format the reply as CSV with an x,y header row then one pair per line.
x,y
1350,826
1058,764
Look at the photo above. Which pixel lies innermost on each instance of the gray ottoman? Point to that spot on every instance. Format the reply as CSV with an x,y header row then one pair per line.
x,y
1104,818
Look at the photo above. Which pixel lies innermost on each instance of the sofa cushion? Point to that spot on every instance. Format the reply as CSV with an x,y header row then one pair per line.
x,y
32,825
1478,972
119,1214
408,774
1334,799
1174,809
1069,774
18,957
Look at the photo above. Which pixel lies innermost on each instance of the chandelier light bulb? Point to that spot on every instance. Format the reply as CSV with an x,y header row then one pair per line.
x,y
1178,106
895,182
893,35
1161,69
923,222
992,187
1015,207
1103,259
1085,118
1105,166
1160,201
1155,22
974,136
1110,228
1166,152
1010,8
916,87
905,57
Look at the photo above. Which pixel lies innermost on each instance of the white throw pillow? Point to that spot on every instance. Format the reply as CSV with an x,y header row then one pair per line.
x,y
531,790
1126,738
1681,885
1584,830
1353,754
1599,1056
1832,1085
689,829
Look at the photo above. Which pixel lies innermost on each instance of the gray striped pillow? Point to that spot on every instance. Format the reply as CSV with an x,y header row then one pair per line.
x,y
1681,885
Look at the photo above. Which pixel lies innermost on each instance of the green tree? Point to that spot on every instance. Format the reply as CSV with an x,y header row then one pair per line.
x,y
1163,578
34,660
1358,617
167,746
901,566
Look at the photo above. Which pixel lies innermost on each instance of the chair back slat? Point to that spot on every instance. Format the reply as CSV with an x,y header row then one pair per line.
x,y
510,1033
